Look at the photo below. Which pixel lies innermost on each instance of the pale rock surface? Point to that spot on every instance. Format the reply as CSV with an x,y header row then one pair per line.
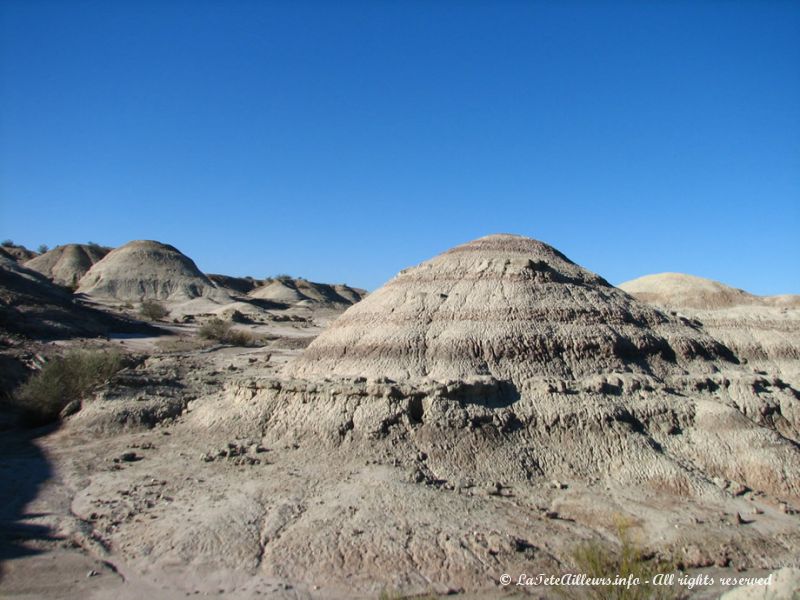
x,y
292,291
427,444
785,585
148,270
66,264
762,330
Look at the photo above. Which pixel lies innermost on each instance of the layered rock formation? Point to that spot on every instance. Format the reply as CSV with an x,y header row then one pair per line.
x,y
147,270
681,291
501,358
762,330
66,265
507,307
302,292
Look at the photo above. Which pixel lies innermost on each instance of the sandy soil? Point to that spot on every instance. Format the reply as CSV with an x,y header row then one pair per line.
x,y
210,508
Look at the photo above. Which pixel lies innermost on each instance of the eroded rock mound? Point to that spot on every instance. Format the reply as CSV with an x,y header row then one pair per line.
x,y
147,270
16,252
678,290
502,358
510,307
66,265
288,290
237,285
762,330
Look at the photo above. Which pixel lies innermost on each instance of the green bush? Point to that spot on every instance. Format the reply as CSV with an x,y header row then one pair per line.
x,y
43,248
222,331
64,379
155,311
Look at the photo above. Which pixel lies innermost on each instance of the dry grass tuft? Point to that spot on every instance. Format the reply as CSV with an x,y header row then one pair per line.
x,y
628,560
222,331
153,310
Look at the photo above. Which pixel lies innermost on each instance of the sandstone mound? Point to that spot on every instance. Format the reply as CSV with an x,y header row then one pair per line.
x,y
237,285
509,307
677,290
147,270
287,290
504,360
66,265
481,414
763,330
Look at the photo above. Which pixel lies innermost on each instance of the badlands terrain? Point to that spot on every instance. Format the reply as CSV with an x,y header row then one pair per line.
x,y
488,412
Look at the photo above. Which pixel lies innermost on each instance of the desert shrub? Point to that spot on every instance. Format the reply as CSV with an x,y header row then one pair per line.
x,y
7,243
215,329
222,331
153,310
237,337
43,248
62,380
598,560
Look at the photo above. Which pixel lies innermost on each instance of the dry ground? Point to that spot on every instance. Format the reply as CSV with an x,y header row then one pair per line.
x,y
202,505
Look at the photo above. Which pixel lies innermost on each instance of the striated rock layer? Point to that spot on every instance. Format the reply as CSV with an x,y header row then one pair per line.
x,y
764,331
502,358
509,307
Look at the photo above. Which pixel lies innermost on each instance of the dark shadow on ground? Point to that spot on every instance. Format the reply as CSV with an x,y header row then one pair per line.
x,y
24,468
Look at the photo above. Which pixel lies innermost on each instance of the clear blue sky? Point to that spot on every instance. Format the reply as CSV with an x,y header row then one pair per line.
x,y
344,141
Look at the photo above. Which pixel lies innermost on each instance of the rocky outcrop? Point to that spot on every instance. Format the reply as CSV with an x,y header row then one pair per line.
x,y
66,265
147,270
288,290
32,306
764,331
502,358
509,307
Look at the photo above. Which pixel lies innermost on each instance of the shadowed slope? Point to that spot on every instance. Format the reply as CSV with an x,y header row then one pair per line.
x,y
33,306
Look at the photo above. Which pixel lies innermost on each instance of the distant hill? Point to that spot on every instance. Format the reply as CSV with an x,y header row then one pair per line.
x,y
16,252
678,290
288,290
67,264
240,285
146,269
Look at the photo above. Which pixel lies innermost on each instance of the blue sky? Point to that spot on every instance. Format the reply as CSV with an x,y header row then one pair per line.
x,y
344,141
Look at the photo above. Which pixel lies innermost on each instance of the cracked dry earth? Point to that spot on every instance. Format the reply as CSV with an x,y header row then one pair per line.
x,y
193,506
